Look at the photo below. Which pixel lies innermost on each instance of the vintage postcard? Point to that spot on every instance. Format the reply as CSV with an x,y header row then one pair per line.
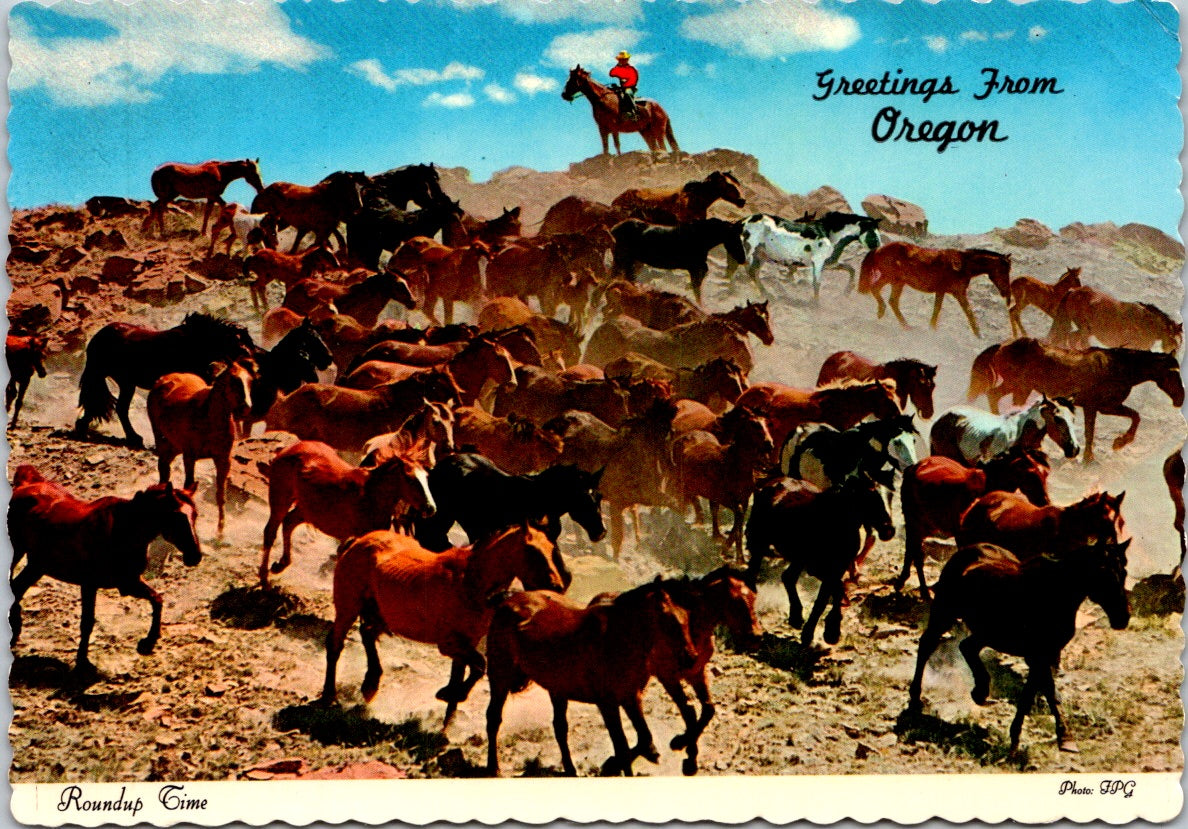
x,y
777,403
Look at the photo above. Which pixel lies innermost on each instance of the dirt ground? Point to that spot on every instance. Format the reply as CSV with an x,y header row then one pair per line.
x,y
229,689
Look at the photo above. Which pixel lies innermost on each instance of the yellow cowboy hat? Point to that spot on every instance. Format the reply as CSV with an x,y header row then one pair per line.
x,y
624,55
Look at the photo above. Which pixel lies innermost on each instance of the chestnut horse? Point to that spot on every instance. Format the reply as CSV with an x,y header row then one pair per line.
x,y
914,380
270,265
1113,323
602,654
25,355
1027,290
651,122
364,301
940,272
443,599
318,209
516,445
198,420
717,383
308,483
842,406
1173,476
1027,530
678,206
198,181
937,491
574,214
1097,380
477,363
95,544
1022,608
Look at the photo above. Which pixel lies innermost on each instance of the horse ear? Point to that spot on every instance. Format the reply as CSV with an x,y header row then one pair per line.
x,y
217,368
1118,502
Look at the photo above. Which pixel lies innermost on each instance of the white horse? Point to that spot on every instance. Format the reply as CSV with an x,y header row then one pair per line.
x,y
244,227
969,435
768,238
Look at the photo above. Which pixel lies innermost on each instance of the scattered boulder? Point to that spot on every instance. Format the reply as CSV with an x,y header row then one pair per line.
x,y
71,256
219,267
1153,238
896,215
67,219
1027,233
157,290
1101,233
825,200
33,254
120,270
85,284
105,240
114,206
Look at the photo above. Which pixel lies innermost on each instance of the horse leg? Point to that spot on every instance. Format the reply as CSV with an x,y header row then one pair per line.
x,y
621,762
369,630
165,457
123,404
603,134
878,295
139,590
1026,698
1047,686
292,521
210,203
20,585
618,151
645,745
82,665
970,648
222,470
963,301
616,531
700,687
1124,411
893,300
673,686
346,609
832,632
1090,432
560,731
20,400
856,565
940,619
795,610
494,720
824,592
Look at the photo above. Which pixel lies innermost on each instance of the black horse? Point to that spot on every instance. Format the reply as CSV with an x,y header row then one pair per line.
x,y
471,490
684,247
381,226
1026,609
417,183
296,359
136,357
816,532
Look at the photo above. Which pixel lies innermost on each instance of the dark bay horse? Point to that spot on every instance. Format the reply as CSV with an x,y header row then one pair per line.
x,y
136,357
318,209
417,183
25,355
1097,380
1022,608
296,359
652,122
683,247
95,544
198,181
689,203
914,380
380,226
940,272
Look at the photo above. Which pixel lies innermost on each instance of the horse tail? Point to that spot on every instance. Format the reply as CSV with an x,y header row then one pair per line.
x,y
981,374
869,273
672,142
1061,323
94,397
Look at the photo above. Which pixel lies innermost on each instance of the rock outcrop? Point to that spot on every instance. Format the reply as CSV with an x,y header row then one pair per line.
x,y
896,215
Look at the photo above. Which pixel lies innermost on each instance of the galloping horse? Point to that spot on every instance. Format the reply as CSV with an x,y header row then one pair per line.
x,y
1113,323
198,181
968,435
1026,609
296,359
1027,290
651,123
136,357
95,544
940,272
1097,379
318,209
1028,530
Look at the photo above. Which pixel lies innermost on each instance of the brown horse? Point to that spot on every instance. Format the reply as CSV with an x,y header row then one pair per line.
x,y
1097,380
309,484
539,396
842,406
1012,521
574,214
685,346
25,355
716,384
477,363
660,310
270,265
1173,476
552,336
433,424
651,122
940,272
638,469
347,418
719,598
95,544
1027,290
490,232
364,301
318,209
602,654
1023,608
677,206
1113,323
198,420
198,181
514,444
402,589
937,491
914,380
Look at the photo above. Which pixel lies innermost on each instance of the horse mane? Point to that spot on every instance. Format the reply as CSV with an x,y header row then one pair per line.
x,y
202,324
849,383
985,252
1162,315
724,363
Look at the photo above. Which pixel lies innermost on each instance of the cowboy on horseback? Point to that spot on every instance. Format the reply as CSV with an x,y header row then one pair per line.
x,y
628,78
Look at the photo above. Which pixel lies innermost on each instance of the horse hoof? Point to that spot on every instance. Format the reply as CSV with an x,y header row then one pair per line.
x,y
1070,746
650,754
369,689
688,767
832,632
145,646
278,566
134,443
450,694
679,742
980,695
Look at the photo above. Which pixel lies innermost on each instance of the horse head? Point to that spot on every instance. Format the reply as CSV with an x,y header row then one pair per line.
x,y
251,173
400,477
726,590
526,553
309,343
665,624
175,516
1023,469
1057,417
578,82
578,492
1105,565
870,504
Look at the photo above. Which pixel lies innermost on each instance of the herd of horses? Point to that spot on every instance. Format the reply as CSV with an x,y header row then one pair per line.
x,y
503,427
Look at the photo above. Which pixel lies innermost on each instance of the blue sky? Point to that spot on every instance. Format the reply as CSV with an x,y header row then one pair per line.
x,y
102,93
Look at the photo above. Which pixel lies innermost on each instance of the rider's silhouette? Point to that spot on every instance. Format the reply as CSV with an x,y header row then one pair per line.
x,y
628,78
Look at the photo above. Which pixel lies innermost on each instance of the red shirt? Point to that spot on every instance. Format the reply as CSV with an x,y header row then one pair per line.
x,y
626,73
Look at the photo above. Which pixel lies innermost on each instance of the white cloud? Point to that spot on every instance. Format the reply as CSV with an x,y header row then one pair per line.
x,y
457,100
903,41
373,72
150,40
682,70
772,29
594,48
531,83
711,70
498,94
937,43
555,11
1007,35
1037,33
974,37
